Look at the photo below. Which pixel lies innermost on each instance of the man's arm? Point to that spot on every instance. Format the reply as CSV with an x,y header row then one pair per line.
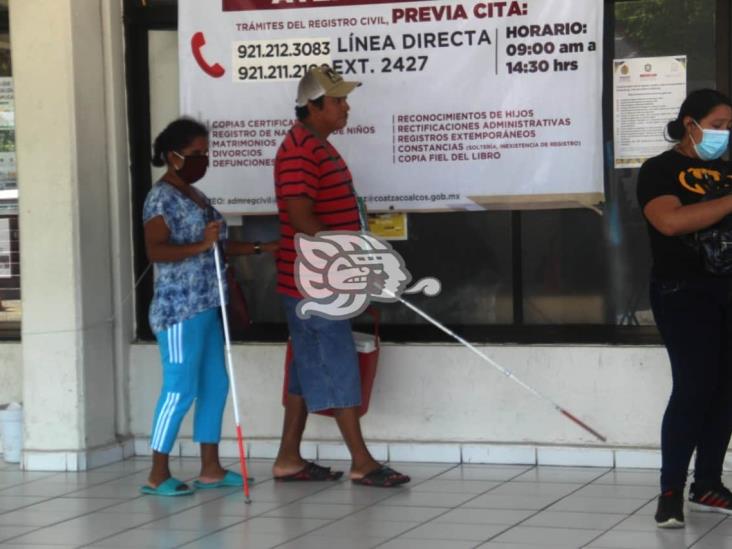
x,y
302,218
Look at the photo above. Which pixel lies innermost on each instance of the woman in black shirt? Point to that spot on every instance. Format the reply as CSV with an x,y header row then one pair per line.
x,y
692,306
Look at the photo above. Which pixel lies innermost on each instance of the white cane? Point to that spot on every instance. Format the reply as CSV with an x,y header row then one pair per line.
x,y
230,368
508,373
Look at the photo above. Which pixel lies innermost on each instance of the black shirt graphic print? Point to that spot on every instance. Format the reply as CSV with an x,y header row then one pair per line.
x,y
672,173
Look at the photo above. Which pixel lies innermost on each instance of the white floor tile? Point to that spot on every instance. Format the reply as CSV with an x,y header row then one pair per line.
x,y
239,540
356,528
558,489
362,495
109,490
429,499
570,519
548,537
714,542
394,513
454,531
193,520
486,453
657,539
597,505
319,542
648,459
152,506
408,543
8,532
276,525
30,517
83,530
233,507
12,545
696,523
618,491
440,453
74,504
501,545
485,516
421,471
580,457
314,510
446,506
722,524
496,473
9,503
579,475
491,501
154,539
454,486
40,489
631,478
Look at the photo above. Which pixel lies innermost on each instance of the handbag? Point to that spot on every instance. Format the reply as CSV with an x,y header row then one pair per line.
x,y
237,310
714,244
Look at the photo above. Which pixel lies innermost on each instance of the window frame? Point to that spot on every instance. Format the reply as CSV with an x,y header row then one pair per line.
x,y
11,330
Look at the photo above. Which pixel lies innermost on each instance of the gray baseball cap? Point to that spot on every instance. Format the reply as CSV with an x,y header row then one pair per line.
x,y
322,81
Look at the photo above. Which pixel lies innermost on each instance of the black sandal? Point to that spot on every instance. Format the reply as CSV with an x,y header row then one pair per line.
x,y
383,477
311,472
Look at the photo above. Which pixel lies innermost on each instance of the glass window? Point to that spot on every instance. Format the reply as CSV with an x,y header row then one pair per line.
x,y
545,275
586,267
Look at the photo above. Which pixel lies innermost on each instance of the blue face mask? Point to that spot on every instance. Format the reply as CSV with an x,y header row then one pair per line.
x,y
713,144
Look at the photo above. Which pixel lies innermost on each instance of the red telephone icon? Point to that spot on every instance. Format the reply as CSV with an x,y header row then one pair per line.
x,y
197,43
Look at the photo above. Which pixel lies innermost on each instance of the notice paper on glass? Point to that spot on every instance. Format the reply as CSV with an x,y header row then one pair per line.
x,y
389,226
647,94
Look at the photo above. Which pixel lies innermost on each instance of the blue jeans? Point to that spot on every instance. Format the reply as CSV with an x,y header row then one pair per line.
x,y
695,321
324,369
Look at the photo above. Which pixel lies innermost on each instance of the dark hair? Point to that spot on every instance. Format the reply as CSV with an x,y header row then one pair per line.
x,y
303,112
178,135
697,105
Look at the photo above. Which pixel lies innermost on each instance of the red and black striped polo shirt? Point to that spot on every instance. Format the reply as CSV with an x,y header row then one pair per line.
x,y
306,166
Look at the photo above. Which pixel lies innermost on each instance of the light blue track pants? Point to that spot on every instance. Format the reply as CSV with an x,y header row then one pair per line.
x,y
194,368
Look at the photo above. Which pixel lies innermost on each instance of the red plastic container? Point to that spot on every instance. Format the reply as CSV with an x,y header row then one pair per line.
x,y
367,346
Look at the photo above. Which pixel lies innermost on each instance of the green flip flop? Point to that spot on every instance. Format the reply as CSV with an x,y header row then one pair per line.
x,y
169,488
230,480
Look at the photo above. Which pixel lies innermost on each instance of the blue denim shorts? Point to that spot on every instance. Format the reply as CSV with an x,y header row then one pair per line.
x,y
324,369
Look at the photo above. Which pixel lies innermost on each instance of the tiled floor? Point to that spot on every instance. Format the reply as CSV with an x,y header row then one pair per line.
x,y
446,507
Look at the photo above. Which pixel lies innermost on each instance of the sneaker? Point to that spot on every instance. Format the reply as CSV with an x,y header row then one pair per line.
x,y
670,511
711,500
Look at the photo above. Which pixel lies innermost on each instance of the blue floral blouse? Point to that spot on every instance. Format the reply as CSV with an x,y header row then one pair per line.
x,y
182,288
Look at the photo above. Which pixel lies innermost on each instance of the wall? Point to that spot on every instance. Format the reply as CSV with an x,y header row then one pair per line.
x,y
444,393
11,373
73,181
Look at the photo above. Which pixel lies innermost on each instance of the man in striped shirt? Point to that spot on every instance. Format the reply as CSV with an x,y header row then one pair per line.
x,y
315,193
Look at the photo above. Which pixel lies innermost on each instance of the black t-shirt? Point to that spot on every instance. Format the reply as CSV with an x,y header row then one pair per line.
x,y
672,173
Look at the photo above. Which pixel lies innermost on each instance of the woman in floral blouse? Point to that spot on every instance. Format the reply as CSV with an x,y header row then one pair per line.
x,y
181,228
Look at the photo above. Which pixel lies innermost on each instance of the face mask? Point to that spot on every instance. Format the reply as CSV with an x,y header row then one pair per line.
x,y
713,144
193,169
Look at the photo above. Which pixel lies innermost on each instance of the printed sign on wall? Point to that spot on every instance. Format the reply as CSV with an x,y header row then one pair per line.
x,y
463,104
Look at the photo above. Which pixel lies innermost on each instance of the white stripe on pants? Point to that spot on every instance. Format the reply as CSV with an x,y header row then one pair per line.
x,y
161,427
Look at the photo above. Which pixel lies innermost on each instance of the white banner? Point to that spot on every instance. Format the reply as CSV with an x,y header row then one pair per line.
x,y
463,105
